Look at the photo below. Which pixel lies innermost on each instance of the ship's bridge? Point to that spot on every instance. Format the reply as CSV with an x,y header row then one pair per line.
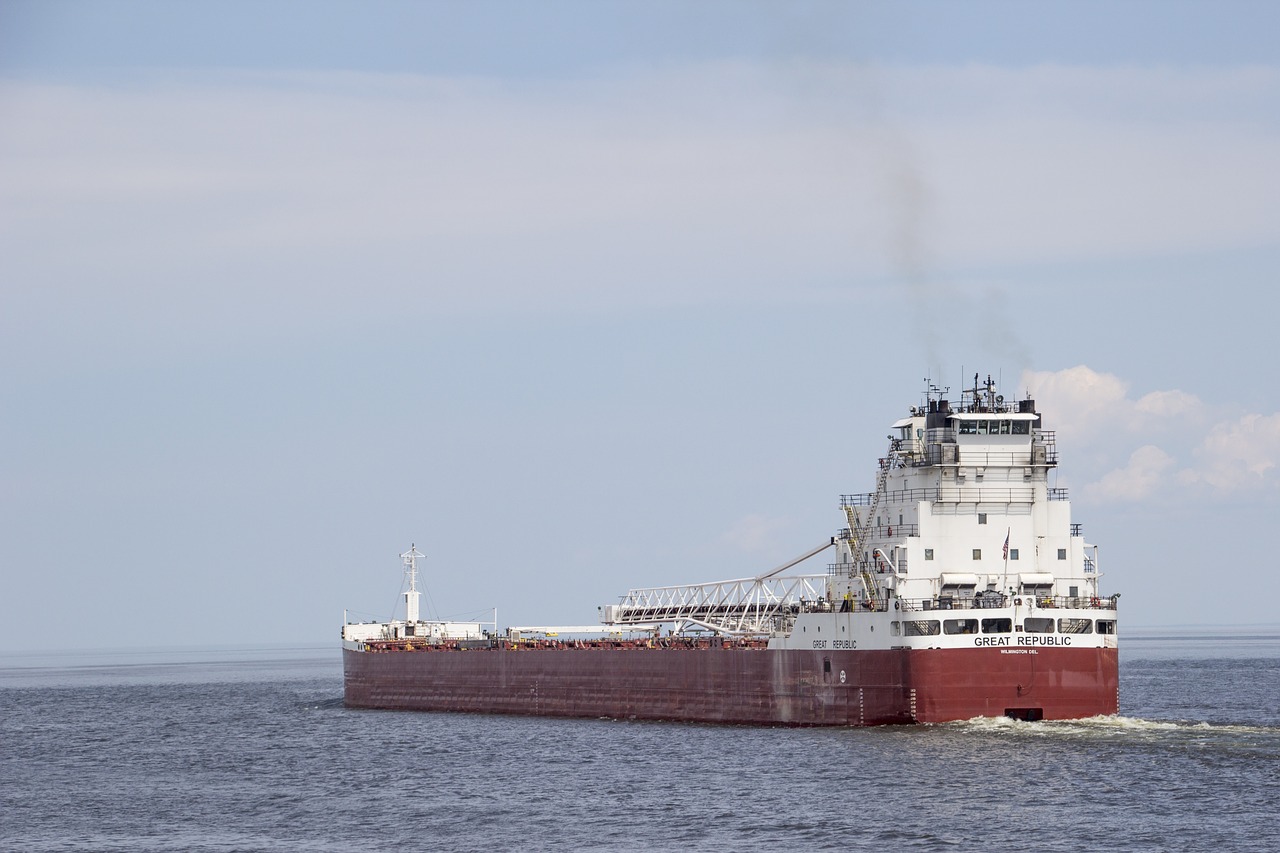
x,y
1011,423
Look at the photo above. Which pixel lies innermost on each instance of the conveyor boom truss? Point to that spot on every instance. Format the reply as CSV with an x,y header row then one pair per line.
x,y
741,606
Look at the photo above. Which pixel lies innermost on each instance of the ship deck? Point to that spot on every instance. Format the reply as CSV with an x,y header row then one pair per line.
x,y
656,644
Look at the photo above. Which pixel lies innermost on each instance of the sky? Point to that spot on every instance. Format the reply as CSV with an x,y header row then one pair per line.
x,y
585,296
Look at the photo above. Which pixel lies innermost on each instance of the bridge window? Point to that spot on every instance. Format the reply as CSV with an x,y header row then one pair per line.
x,y
968,427
960,626
1021,427
1036,625
997,626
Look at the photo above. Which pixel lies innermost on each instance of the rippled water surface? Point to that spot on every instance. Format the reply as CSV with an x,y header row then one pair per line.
x,y
228,750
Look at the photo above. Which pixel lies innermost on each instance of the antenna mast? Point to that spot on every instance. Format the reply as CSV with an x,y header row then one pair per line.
x,y
411,596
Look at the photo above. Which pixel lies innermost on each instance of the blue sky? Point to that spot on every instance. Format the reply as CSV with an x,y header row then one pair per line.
x,y
583,296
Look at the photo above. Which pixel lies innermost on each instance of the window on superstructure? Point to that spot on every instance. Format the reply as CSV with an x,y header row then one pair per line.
x,y
922,628
983,427
1062,553
997,626
1106,626
977,553
960,626
982,518
1075,626
928,553
895,628
1004,427
1037,625
1013,553
1021,427
968,427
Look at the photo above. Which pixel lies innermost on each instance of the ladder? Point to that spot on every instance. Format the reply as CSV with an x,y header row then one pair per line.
x,y
860,529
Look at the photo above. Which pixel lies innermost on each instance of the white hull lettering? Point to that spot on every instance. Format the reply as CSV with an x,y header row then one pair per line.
x,y
1046,640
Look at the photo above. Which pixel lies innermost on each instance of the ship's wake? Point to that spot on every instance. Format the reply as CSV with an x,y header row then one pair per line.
x,y
1116,725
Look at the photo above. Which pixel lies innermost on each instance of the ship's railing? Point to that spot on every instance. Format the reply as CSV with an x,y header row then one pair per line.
x,y
738,606
1048,439
994,458
892,496
970,494
883,531
966,493
995,600
495,644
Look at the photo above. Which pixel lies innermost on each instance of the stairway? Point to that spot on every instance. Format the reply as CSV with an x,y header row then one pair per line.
x,y
860,530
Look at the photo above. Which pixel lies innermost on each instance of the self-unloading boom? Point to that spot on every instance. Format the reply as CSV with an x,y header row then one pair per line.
x,y
742,606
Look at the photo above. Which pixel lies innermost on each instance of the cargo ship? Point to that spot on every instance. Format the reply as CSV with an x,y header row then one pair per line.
x,y
959,587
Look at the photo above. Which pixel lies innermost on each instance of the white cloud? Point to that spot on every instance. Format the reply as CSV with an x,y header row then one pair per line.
x,y
1240,454
1080,400
1094,410
1085,404
703,182
1138,480
1167,404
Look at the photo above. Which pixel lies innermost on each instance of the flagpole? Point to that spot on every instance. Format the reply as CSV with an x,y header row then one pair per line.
x,y
1005,582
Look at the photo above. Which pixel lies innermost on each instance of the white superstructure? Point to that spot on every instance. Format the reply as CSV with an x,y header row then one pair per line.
x,y
962,543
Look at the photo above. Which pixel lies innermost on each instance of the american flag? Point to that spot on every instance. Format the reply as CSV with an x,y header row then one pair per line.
x,y
1006,544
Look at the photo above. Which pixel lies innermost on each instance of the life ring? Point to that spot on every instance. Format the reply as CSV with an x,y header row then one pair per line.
x,y
1095,602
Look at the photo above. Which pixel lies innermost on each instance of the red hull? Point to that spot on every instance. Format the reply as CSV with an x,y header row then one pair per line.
x,y
743,686
1037,684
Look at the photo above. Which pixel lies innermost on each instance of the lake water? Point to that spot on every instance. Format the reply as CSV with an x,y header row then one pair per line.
x,y
251,749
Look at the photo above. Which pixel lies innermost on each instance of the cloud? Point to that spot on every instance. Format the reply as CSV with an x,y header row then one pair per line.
x,y
272,208
1078,400
697,182
1145,473
1168,404
1095,410
1239,455
1083,403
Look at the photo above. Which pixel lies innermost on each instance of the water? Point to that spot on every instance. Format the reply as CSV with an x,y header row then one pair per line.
x,y
232,750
